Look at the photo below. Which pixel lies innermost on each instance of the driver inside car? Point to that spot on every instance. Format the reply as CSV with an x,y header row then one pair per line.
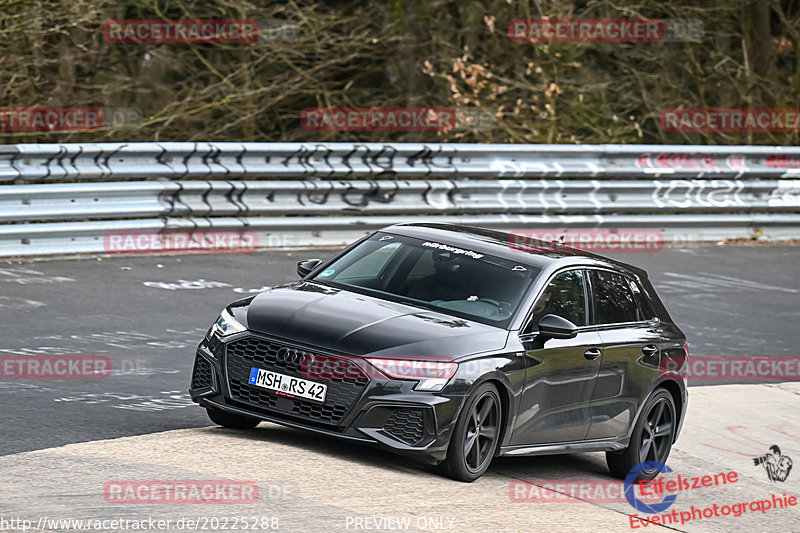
x,y
461,284
447,282
542,307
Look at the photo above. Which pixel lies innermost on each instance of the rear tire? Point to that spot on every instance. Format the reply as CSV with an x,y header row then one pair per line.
x,y
232,420
476,435
651,439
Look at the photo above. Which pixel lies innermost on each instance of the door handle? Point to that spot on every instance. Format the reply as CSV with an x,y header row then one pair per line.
x,y
593,353
649,350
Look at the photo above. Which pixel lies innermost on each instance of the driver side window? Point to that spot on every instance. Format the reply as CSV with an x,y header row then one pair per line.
x,y
564,296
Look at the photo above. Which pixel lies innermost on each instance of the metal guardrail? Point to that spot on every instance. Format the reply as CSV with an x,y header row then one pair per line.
x,y
385,197
282,191
116,161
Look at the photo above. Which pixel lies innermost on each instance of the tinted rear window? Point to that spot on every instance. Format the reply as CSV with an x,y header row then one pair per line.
x,y
614,302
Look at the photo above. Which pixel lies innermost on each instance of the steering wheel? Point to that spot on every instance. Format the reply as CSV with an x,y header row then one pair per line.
x,y
503,308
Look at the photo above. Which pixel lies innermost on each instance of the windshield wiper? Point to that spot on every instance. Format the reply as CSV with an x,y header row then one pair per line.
x,y
413,302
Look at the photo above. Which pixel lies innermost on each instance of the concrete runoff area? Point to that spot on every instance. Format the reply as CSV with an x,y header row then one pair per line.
x,y
315,484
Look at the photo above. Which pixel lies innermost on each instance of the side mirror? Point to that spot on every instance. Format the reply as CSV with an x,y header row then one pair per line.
x,y
305,267
555,327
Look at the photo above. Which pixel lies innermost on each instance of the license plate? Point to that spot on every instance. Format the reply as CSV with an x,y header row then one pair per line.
x,y
303,388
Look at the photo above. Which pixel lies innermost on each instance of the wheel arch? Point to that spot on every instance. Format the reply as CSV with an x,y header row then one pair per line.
x,y
674,390
672,387
505,408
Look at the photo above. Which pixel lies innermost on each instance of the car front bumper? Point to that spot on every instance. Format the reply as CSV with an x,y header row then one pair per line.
x,y
373,410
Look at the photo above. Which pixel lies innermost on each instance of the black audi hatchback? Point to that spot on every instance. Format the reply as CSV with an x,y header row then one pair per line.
x,y
454,345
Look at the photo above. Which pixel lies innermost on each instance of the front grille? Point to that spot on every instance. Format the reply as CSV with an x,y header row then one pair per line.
x,y
405,425
201,376
248,352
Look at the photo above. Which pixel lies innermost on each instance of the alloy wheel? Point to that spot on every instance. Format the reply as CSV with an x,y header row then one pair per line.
x,y
656,435
482,432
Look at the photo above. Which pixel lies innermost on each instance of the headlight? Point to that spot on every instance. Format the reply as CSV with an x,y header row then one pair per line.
x,y
226,325
432,375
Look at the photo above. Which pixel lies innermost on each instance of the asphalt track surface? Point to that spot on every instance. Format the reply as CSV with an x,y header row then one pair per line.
x,y
147,313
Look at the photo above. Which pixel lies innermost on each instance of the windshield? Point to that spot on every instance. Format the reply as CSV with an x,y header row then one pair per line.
x,y
433,275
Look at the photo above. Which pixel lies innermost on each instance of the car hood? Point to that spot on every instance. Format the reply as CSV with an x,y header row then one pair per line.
x,y
345,322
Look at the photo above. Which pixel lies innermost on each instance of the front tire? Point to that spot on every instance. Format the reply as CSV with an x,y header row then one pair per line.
x,y
232,420
476,435
651,439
